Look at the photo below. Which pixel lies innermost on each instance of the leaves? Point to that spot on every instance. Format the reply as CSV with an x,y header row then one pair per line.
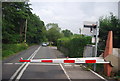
x,y
67,33
53,32
73,46
14,22
110,23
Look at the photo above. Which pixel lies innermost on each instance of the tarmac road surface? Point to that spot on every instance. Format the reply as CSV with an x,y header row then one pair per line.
x,y
15,71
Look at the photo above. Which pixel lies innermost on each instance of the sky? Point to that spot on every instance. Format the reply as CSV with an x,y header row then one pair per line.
x,y
72,14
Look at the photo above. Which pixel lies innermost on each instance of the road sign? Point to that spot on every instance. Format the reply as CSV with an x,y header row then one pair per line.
x,y
89,24
94,30
90,28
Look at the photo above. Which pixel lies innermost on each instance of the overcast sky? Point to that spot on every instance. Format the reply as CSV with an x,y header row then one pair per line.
x,y
70,15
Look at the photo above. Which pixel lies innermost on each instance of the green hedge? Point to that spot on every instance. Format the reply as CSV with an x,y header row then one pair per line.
x,y
10,49
73,45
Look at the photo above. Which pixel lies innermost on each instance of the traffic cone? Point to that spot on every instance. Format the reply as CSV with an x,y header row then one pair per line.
x,y
108,51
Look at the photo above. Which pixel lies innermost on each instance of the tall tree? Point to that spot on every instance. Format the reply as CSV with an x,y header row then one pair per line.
x,y
53,32
36,30
67,33
14,17
111,23
50,25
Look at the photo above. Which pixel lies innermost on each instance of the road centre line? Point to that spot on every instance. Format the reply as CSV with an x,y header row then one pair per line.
x,y
13,76
22,71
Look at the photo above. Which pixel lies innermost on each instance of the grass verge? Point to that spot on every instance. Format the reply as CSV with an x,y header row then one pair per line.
x,y
10,49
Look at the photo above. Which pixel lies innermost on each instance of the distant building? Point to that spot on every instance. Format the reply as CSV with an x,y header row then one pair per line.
x,y
119,9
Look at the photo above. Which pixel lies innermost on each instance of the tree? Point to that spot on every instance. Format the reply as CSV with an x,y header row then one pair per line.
x,y
110,23
67,33
53,33
14,17
36,30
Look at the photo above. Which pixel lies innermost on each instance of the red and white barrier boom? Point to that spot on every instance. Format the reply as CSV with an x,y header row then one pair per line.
x,y
67,60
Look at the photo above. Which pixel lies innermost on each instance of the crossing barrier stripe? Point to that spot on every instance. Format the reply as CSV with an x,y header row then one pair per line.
x,y
49,61
90,61
69,61
24,60
66,60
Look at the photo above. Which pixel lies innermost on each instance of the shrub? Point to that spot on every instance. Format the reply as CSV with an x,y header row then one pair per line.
x,y
73,45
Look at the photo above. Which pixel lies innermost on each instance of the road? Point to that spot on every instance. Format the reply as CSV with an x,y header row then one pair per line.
x,y
15,71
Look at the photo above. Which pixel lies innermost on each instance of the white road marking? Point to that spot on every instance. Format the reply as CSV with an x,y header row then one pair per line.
x,y
67,65
42,64
72,65
22,71
97,74
31,64
77,65
65,72
13,76
8,63
12,63
18,63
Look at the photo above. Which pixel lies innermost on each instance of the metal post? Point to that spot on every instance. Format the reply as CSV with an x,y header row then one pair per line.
x,y
96,39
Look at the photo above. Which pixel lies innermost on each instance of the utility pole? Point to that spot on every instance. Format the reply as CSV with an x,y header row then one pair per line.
x,y
25,30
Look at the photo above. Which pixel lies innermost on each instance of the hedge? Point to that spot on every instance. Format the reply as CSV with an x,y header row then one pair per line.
x,y
73,46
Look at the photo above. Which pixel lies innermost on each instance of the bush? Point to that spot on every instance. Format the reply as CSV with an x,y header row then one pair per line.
x,y
73,45
10,49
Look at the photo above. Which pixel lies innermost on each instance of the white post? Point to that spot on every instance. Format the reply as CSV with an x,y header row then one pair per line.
x,y
96,42
96,39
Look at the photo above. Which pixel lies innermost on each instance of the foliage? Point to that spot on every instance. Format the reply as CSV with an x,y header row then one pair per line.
x,y
74,45
67,33
14,19
36,32
9,49
110,23
53,32
50,25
